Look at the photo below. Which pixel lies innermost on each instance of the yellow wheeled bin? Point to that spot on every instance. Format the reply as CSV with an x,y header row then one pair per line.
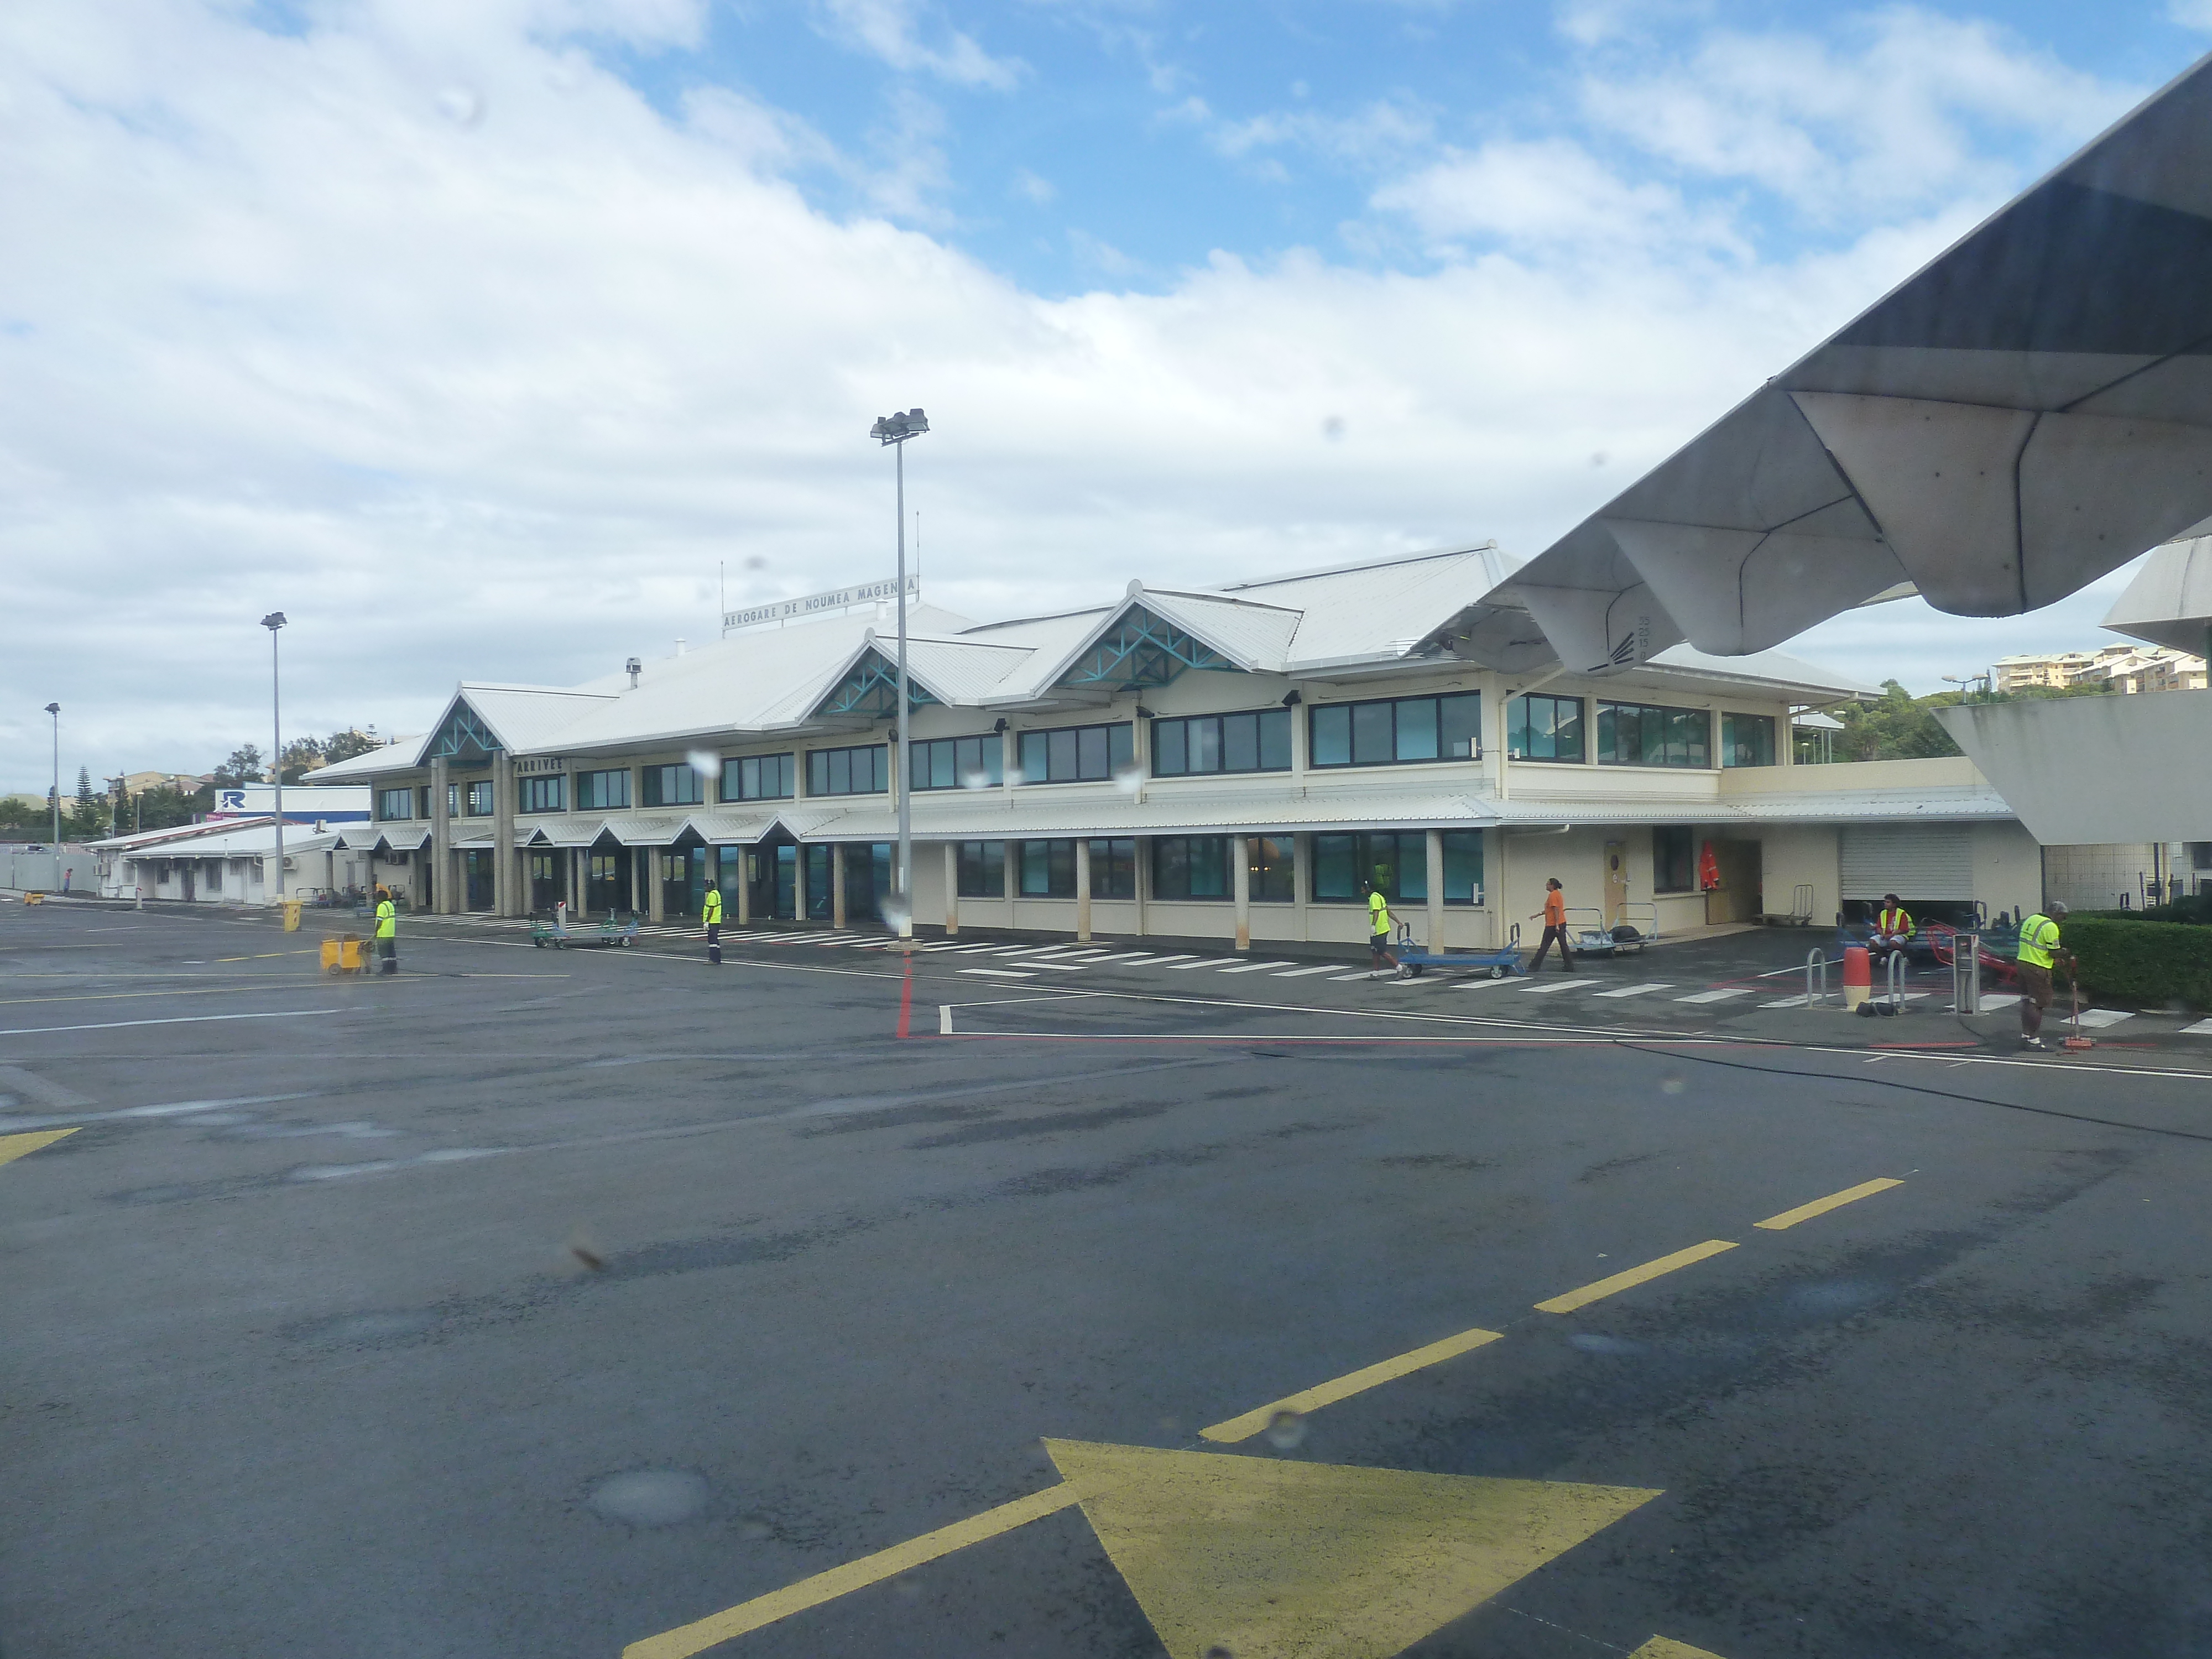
x,y
292,915
344,954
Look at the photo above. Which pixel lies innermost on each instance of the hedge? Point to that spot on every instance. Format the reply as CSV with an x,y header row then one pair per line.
x,y
2150,963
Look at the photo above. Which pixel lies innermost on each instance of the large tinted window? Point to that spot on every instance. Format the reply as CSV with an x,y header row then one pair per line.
x,y
1541,727
673,786
395,803
1113,868
1190,867
1076,754
479,799
759,777
603,791
1674,858
983,869
1644,734
1397,863
544,794
1747,739
859,771
1047,869
959,763
1271,868
1257,742
1397,731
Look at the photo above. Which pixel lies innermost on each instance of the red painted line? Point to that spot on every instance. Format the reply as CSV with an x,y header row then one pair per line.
x,y
1964,1043
906,1000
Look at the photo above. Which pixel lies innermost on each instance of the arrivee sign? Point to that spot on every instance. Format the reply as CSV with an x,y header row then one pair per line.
x,y
816,605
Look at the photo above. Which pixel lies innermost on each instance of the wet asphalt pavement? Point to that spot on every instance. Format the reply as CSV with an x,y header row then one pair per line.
x,y
536,1302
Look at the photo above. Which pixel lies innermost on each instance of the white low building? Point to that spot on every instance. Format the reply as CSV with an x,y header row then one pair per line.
x,y
229,861
1232,762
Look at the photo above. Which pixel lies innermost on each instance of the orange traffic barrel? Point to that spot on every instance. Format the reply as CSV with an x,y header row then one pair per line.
x,y
1858,975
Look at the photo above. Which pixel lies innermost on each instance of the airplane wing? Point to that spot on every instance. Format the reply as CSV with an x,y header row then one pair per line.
x,y
2029,412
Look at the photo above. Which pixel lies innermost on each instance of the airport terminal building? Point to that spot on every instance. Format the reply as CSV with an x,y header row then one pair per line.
x,y
1230,763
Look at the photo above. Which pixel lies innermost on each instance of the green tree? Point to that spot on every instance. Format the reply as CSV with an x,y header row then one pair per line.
x,y
164,806
86,817
244,765
346,745
302,756
1901,726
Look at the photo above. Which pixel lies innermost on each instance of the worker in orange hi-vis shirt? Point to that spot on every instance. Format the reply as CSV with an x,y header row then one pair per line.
x,y
1555,914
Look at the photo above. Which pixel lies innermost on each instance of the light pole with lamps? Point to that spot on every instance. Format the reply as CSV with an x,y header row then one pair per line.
x,y
894,430
272,622
55,709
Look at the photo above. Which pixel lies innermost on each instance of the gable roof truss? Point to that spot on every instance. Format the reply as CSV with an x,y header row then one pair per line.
x,y
1142,649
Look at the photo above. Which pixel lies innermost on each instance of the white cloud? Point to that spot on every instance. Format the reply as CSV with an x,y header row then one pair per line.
x,y
1380,135
890,30
1031,188
495,399
1912,110
2190,14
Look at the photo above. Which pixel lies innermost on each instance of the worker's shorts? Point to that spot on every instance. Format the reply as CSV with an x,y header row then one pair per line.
x,y
1379,943
2035,984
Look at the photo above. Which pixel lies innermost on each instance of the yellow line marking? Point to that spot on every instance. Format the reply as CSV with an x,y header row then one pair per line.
x,y
688,1639
1660,1648
14,1146
1621,1281
264,956
1343,1387
1775,1223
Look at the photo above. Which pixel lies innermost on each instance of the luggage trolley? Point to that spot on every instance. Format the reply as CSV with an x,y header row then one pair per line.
x,y
1593,938
1412,960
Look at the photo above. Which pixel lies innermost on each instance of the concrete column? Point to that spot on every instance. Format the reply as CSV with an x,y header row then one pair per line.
x,y
656,886
1493,882
1083,889
838,884
1301,880
1144,882
1013,878
1240,859
504,902
952,890
418,879
636,898
1786,736
441,837
744,886
1299,729
577,871
1436,850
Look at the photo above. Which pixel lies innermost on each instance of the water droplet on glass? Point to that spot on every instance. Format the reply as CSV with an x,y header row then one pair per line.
x,y
1598,458
894,911
462,106
1332,428
756,562
651,1498
1217,1651
705,762
754,1528
1286,1430
1672,1083
1130,779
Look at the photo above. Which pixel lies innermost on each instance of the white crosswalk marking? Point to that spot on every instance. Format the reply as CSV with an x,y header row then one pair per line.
x,y
1638,990
1125,955
2002,1000
2095,1019
1342,979
1254,967
1164,961
1482,984
1421,983
1001,973
2202,1028
1800,1000
1535,989
1300,973
1057,967
1713,996
1206,961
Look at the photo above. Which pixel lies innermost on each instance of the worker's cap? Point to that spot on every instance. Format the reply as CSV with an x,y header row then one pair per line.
x,y
1889,898
2057,909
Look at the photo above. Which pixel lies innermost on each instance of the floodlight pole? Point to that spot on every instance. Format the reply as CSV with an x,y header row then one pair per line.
x,y
55,709
272,622
893,430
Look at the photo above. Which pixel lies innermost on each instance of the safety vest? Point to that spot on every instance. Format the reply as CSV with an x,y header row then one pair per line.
x,y
2039,938
1378,913
1899,921
710,910
1708,868
387,920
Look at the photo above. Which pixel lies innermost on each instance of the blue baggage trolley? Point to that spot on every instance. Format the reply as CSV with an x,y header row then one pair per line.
x,y
1414,961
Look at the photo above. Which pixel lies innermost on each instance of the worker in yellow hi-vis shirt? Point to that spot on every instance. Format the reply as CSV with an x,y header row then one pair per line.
x,y
2038,953
710,912
1378,930
387,932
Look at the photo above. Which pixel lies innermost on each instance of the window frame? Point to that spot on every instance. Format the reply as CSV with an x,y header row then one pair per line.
x,y
654,781
1610,710
1519,735
469,794
879,768
732,785
990,755
1366,713
1119,736
979,869
601,805
1763,723
1460,848
384,799
1165,881
1661,887
536,789
1187,727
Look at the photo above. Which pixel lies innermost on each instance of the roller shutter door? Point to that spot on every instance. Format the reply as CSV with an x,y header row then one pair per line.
x,y
1913,860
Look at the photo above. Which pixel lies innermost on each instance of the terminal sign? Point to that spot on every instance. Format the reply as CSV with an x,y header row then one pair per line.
x,y
816,605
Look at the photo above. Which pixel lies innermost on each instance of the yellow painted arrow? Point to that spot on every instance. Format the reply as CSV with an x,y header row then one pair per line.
x,y
14,1146
1265,1557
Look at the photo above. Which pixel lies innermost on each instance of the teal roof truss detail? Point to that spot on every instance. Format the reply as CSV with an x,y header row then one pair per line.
x,y
1141,649
464,737
873,689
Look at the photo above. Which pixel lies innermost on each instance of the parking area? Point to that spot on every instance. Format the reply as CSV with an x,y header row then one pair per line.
x,y
1042,1299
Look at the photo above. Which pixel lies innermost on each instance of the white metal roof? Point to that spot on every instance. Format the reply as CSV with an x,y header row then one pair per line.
x,y
233,842
2169,603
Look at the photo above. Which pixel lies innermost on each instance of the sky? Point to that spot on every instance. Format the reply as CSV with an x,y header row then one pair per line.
x,y
496,341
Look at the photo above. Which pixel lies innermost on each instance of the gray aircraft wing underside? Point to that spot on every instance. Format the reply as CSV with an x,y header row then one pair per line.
x,y
2030,411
